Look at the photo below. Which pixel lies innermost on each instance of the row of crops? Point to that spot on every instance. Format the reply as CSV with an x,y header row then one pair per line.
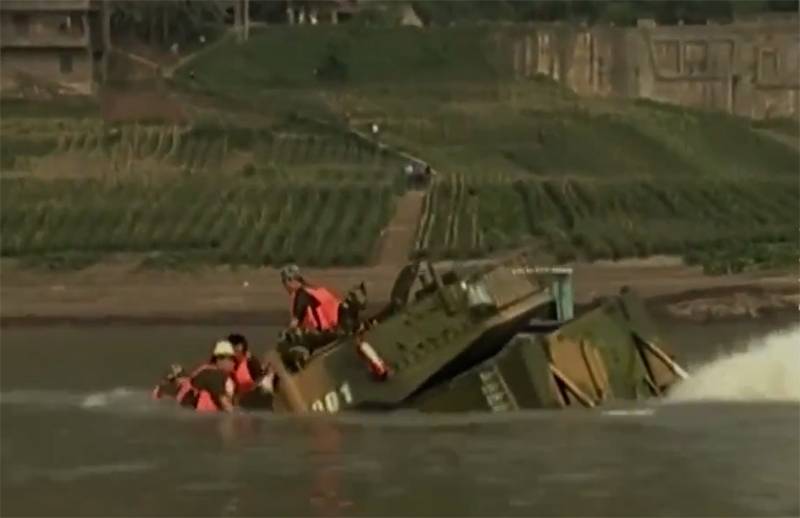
x,y
250,222
134,147
254,221
467,217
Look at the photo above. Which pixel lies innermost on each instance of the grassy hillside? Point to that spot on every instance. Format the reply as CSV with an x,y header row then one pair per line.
x,y
310,57
718,223
72,192
252,221
523,162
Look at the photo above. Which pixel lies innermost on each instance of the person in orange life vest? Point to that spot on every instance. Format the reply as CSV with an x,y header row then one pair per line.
x,y
248,369
312,307
211,387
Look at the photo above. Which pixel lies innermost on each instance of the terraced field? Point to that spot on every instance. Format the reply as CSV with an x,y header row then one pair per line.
x,y
253,221
193,194
724,224
92,149
524,162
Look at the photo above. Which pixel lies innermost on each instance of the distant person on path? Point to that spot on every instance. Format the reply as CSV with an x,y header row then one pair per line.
x,y
410,174
311,307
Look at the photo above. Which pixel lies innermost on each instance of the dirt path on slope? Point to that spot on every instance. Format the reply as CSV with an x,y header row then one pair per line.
x,y
398,237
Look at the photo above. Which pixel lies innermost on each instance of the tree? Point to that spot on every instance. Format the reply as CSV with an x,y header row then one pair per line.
x,y
168,21
270,11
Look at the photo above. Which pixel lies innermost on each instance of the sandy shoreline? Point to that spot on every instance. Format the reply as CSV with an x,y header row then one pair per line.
x,y
119,293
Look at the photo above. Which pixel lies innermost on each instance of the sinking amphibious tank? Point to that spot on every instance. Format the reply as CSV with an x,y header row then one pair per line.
x,y
489,337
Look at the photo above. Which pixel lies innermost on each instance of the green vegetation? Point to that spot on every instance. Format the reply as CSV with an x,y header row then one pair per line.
x,y
447,95
252,221
183,196
717,223
785,126
63,108
270,169
335,56
164,22
119,151
640,141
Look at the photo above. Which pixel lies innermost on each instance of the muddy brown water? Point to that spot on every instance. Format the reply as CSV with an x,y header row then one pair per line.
x,y
81,438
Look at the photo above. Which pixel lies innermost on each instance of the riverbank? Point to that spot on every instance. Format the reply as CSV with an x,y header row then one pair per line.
x,y
119,292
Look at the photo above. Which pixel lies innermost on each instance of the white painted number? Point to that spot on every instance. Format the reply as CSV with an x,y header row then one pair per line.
x,y
330,403
345,390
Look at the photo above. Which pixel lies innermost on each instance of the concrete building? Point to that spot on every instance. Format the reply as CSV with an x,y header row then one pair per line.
x,y
749,67
60,45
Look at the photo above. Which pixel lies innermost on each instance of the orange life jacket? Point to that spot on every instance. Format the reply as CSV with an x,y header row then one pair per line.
x,y
184,388
205,403
244,381
328,309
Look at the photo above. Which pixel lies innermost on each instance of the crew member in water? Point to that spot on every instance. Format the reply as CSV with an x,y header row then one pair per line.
x,y
211,387
248,369
311,307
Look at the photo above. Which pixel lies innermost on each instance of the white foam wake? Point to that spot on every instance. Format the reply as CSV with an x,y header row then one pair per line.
x,y
768,369
61,398
102,399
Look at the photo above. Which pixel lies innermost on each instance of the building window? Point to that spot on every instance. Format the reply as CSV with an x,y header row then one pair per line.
x,y
601,72
768,66
65,63
22,23
667,57
695,58
71,24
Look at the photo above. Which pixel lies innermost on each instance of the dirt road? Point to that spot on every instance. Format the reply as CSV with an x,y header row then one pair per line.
x,y
118,292
398,237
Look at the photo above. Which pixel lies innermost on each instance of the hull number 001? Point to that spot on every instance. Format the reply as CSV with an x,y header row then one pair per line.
x,y
330,403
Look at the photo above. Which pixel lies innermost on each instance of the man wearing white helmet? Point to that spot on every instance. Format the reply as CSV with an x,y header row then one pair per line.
x,y
211,387
311,307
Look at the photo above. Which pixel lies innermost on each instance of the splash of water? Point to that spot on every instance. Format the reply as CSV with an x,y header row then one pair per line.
x,y
115,397
767,370
101,399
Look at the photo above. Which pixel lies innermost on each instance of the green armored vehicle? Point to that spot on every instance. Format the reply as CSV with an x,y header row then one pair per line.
x,y
497,338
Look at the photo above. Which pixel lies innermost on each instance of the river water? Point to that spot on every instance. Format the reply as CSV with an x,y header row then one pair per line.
x,y
81,438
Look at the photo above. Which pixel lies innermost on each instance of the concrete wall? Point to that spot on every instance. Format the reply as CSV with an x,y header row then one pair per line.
x,y
751,69
21,65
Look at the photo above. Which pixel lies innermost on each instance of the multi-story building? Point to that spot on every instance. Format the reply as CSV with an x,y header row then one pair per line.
x,y
60,45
